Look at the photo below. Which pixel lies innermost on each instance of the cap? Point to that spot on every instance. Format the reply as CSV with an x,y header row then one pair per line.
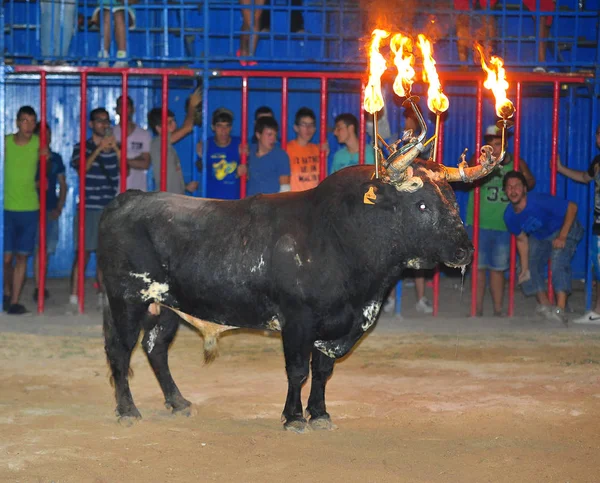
x,y
222,114
493,131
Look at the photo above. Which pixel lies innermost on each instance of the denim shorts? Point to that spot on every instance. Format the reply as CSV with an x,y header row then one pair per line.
x,y
20,230
51,235
494,249
540,251
92,221
595,254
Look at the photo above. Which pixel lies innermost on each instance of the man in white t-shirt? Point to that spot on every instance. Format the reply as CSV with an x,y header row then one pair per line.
x,y
138,148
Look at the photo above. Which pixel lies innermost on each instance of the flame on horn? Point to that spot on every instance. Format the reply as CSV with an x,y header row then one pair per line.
x,y
437,101
377,66
496,82
401,47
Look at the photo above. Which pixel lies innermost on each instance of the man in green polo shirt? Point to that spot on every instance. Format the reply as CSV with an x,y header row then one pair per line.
x,y
21,206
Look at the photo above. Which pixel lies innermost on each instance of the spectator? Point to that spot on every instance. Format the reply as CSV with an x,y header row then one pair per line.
x,y
262,111
296,18
494,240
346,132
546,227
250,21
118,10
175,181
304,155
102,156
21,206
485,34
56,29
268,165
593,173
138,148
55,174
223,153
543,28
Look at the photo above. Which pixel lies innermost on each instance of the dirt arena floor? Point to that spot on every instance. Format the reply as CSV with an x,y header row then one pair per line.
x,y
421,399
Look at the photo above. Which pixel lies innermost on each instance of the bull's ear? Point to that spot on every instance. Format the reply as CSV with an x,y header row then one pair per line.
x,y
375,193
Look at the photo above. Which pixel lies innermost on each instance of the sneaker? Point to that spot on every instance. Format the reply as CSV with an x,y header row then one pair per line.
x,y
539,70
103,56
590,318
543,310
5,302
73,307
424,306
557,314
17,309
100,303
389,305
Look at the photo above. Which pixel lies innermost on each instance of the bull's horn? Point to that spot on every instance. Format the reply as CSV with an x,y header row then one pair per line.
x,y
397,163
468,174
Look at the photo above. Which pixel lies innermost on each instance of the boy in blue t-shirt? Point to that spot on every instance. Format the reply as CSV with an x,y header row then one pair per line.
x,y
55,173
223,155
268,165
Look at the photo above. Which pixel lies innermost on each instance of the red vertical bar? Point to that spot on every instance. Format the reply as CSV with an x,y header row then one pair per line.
x,y
476,201
555,111
362,127
436,272
82,172
164,132
124,127
323,129
43,189
284,112
244,156
513,240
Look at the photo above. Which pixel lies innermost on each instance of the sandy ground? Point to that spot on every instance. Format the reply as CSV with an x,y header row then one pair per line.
x,y
421,399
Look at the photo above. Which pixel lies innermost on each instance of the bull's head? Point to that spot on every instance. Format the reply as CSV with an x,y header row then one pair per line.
x,y
396,169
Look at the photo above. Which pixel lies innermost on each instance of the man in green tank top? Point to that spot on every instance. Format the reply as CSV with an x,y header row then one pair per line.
x,y
494,239
21,206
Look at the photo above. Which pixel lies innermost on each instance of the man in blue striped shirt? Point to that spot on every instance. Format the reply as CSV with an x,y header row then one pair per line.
x,y
102,156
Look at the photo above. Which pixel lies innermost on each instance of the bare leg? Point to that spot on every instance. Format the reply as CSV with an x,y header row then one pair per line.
x,y
106,29
18,278
561,300
8,273
75,272
255,27
36,267
544,31
497,289
481,284
420,287
463,36
542,298
120,36
246,21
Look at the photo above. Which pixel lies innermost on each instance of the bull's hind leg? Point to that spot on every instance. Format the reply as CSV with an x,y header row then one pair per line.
x,y
159,332
322,368
121,331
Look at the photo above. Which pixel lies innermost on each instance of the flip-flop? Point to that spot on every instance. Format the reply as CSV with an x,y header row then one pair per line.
x,y
243,63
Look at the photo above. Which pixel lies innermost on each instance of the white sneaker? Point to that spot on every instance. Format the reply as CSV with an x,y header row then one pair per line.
x,y
590,318
100,303
542,310
103,56
424,306
557,314
389,305
73,307
122,62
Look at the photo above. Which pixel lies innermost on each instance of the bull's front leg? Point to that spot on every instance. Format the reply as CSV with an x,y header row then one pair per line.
x,y
297,346
322,368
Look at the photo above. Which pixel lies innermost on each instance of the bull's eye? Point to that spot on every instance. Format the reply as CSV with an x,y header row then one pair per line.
x,y
422,206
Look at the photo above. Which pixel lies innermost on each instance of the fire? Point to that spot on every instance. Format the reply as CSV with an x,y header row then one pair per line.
x,y
401,47
373,97
496,82
437,101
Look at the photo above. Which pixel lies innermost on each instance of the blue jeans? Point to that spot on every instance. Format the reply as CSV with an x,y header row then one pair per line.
x,y
57,27
539,253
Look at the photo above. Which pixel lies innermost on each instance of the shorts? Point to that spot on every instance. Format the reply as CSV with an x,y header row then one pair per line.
x,y
494,249
595,254
51,235
20,230
92,221
116,7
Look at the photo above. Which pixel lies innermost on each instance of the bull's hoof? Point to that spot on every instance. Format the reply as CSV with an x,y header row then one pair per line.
x,y
297,426
322,423
180,407
128,420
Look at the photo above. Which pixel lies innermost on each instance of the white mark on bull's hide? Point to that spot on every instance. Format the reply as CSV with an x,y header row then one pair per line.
x,y
274,324
414,263
370,312
329,352
297,260
152,335
258,267
155,290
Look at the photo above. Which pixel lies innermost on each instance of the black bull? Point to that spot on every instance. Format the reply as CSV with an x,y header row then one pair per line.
x,y
315,265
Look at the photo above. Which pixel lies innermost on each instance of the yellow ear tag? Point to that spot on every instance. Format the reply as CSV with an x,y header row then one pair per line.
x,y
369,195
